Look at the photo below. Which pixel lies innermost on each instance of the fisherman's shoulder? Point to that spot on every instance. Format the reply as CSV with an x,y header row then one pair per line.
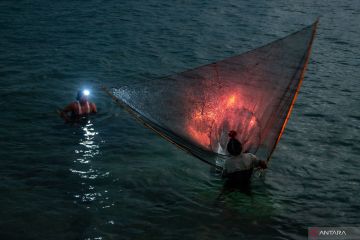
x,y
71,106
74,104
249,155
234,159
93,107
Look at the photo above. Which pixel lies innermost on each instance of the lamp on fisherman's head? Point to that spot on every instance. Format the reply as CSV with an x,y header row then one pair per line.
x,y
81,94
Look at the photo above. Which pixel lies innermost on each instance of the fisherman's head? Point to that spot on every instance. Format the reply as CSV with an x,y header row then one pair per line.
x,y
82,95
234,147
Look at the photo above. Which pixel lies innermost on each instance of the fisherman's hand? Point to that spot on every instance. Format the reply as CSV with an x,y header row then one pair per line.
x,y
263,164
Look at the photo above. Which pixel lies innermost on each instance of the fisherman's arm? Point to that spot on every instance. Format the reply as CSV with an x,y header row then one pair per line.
x,y
258,162
93,108
262,164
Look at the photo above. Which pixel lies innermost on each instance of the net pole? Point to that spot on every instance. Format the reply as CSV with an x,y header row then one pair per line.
x,y
302,75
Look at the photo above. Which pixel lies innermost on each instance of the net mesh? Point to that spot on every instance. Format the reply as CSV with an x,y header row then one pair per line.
x,y
252,93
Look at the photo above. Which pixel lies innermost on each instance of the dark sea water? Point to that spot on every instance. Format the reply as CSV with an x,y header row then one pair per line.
x,y
114,179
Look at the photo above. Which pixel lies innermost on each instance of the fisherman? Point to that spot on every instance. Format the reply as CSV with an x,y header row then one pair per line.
x,y
78,109
239,168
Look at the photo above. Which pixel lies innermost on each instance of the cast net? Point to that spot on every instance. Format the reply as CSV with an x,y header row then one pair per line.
x,y
252,93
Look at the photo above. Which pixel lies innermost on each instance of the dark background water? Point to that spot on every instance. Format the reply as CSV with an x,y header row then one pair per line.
x,y
113,179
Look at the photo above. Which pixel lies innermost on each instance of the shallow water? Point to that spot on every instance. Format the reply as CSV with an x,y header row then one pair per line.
x,y
114,179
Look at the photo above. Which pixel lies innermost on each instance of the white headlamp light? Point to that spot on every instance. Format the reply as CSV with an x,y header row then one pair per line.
x,y
86,92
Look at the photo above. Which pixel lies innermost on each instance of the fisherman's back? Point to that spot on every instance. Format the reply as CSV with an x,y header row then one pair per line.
x,y
244,161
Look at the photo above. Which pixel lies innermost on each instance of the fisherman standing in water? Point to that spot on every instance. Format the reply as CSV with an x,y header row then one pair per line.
x,y
79,109
239,168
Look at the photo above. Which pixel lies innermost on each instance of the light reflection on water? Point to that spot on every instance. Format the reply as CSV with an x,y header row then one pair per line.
x,y
86,155
86,151
154,191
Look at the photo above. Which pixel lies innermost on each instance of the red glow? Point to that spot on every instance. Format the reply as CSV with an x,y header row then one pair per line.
x,y
212,121
200,137
252,121
231,101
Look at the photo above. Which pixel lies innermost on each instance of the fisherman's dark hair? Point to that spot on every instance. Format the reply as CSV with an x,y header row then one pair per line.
x,y
234,147
79,95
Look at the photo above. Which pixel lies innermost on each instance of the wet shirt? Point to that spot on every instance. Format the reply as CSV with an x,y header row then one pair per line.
x,y
244,161
79,111
82,110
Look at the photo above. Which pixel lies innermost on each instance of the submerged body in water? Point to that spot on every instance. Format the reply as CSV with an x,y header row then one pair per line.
x,y
239,168
78,110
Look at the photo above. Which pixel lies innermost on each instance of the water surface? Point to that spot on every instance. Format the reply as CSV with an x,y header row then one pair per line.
x,y
113,179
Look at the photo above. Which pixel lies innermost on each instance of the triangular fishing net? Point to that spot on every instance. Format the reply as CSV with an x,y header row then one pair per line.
x,y
252,93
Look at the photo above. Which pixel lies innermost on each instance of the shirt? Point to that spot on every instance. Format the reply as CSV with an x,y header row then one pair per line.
x,y
244,161
82,110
